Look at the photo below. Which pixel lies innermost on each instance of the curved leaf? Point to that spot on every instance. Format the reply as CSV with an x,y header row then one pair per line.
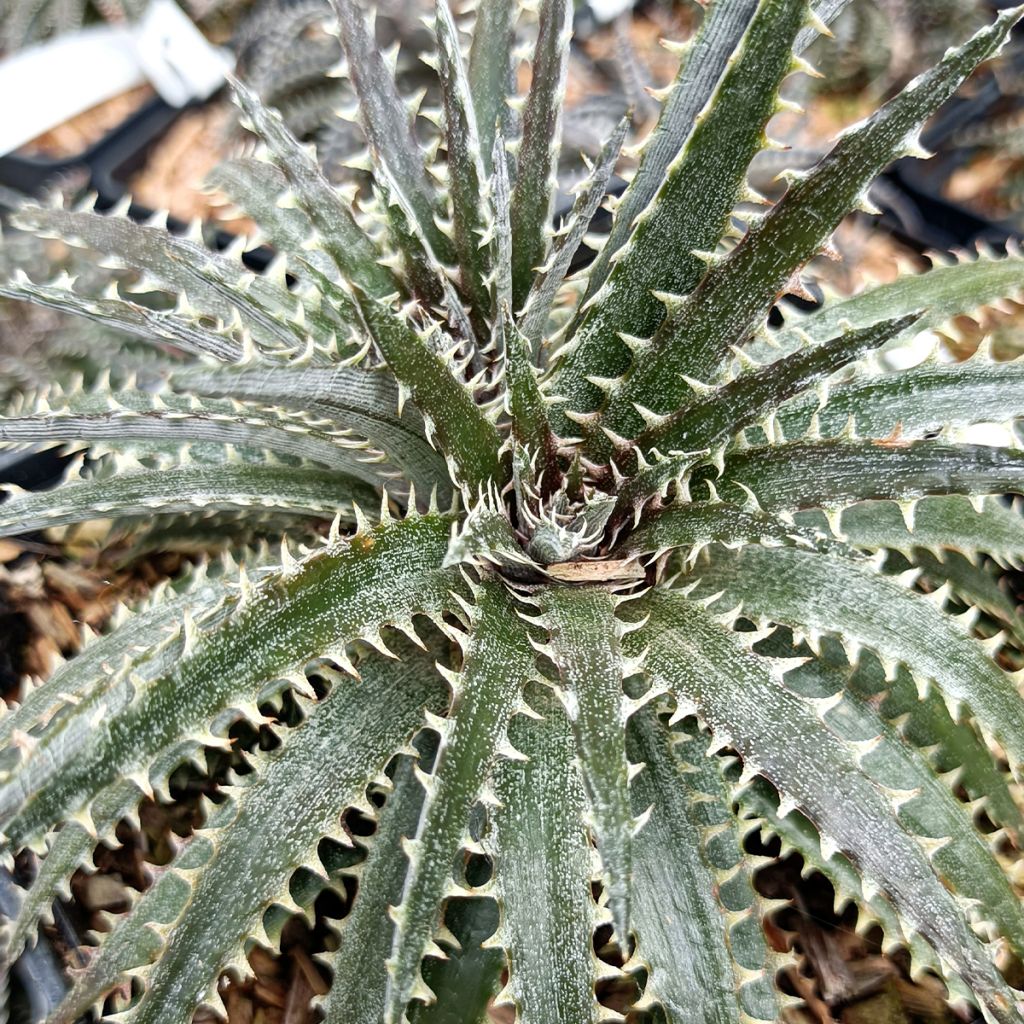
x,y
542,872
337,232
831,474
780,736
548,279
360,975
465,433
718,414
525,404
698,927
812,591
363,400
388,124
216,285
585,647
114,311
347,590
925,398
486,693
490,70
737,294
943,521
707,55
145,635
259,188
294,490
68,851
695,524
927,806
466,175
461,982
758,800
534,191
137,416
942,292
345,739
688,215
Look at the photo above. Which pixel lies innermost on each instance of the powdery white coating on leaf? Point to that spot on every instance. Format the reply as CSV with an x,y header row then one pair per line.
x,y
739,697
661,445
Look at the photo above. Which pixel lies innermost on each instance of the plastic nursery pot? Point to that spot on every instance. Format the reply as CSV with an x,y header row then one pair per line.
x,y
107,162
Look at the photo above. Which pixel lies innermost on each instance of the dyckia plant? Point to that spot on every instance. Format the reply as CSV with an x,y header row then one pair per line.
x,y
620,570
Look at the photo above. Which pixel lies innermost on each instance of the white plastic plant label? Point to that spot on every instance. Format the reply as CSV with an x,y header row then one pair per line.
x,y
174,56
608,10
60,78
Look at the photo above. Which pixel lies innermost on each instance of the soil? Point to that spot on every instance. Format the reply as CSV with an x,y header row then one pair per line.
x,y
173,177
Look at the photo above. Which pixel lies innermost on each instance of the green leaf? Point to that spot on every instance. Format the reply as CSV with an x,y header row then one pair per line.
x,y
138,416
831,474
534,191
485,534
695,524
347,590
138,941
689,214
929,397
144,635
758,800
567,239
501,199
298,491
388,124
70,849
337,232
525,404
697,922
714,416
363,400
427,279
927,806
941,524
465,983
942,292
650,483
953,746
706,58
466,174
811,591
543,872
779,735
217,286
116,312
977,586
949,521
486,693
737,294
464,432
360,975
585,646
344,738
262,191
490,70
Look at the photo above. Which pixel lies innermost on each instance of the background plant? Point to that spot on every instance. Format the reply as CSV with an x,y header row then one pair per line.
x,y
697,576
